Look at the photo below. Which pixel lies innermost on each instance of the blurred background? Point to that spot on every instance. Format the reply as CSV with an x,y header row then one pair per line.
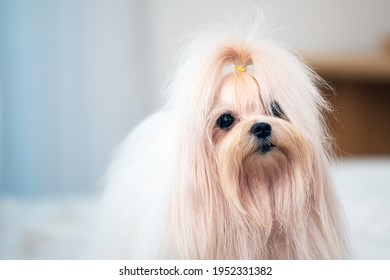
x,y
76,76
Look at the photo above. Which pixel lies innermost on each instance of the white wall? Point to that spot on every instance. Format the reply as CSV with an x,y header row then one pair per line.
x,y
72,86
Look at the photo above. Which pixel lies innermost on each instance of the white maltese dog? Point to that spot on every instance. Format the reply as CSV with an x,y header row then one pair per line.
x,y
236,166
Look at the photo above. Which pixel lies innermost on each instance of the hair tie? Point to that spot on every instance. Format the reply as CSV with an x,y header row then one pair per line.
x,y
240,68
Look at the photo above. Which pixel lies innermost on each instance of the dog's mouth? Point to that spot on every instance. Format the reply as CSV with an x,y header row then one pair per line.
x,y
264,146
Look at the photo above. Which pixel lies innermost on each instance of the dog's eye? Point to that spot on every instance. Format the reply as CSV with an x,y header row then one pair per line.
x,y
225,121
276,110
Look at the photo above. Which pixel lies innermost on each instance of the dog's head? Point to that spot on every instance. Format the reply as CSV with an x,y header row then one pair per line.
x,y
254,155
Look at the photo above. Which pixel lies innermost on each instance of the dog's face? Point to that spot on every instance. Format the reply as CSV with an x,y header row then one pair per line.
x,y
255,143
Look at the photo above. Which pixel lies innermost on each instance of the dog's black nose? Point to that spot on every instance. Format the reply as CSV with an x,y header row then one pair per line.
x,y
261,130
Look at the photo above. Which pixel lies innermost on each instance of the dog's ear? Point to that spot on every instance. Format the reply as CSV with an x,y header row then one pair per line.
x,y
326,217
194,204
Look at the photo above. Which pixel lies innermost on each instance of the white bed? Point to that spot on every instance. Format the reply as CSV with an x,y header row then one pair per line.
x,y
55,228
364,189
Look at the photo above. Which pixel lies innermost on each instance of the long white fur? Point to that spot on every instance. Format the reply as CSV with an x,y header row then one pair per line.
x,y
181,189
131,222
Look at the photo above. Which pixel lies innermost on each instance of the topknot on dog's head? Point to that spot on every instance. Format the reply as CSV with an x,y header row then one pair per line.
x,y
206,56
201,70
